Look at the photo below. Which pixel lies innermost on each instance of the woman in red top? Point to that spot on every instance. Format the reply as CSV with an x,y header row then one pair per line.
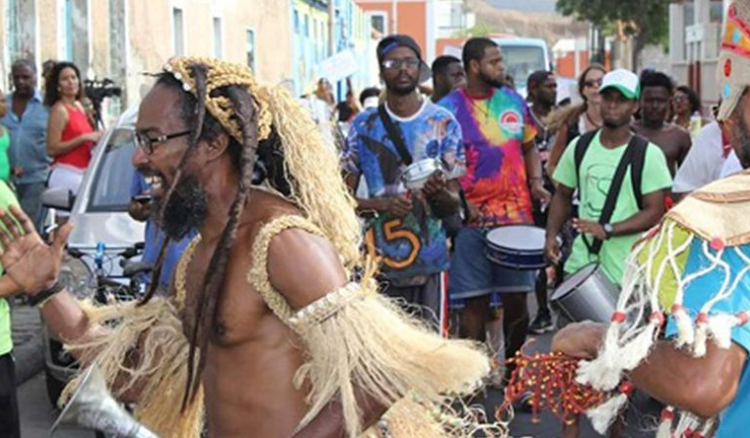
x,y
70,136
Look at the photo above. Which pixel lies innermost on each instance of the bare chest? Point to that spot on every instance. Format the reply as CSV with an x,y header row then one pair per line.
x,y
233,310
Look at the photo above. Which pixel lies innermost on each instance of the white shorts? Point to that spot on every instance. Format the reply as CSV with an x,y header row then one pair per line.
x,y
67,177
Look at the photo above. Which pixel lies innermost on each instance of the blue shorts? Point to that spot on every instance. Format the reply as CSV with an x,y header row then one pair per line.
x,y
472,274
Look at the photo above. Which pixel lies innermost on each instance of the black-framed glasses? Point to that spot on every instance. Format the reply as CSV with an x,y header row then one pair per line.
x,y
398,63
147,143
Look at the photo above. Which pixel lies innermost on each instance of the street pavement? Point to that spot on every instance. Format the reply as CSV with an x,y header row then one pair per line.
x,y
37,413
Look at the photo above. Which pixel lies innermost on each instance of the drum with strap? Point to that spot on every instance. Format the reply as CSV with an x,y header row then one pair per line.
x,y
586,295
517,247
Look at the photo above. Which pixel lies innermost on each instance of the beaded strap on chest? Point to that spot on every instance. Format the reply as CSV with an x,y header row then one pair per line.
x,y
258,275
181,271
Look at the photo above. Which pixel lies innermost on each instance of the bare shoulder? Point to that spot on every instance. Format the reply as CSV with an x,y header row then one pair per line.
x,y
302,266
58,110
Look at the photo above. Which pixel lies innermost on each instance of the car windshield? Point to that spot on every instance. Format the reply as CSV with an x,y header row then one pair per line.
x,y
114,173
521,61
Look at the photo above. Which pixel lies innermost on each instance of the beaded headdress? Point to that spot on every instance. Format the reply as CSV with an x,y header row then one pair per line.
x,y
733,74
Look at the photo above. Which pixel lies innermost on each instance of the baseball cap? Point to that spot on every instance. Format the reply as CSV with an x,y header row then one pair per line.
x,y
394,41
624,81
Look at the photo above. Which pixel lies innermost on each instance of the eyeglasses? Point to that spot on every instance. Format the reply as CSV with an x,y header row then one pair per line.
x,y
147,143
398,63
591,83
679,98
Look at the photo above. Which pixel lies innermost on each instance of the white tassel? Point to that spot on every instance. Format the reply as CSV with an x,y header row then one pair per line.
x,y
636,350
701,337
720,327
665,427
603,372
686,334
604,414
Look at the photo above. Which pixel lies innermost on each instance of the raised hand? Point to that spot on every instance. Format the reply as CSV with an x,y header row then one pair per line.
x,y
27,259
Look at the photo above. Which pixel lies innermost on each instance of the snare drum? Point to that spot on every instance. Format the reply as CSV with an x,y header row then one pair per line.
x,y
517,247
416,174
587,295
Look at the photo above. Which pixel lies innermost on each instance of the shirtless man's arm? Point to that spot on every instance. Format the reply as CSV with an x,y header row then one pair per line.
x,y
304,268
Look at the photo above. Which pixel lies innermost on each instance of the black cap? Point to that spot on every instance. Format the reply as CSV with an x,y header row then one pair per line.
x,y
393,41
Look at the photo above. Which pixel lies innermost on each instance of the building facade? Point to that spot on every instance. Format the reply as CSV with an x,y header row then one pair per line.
x,y
695,28
416,18
123,39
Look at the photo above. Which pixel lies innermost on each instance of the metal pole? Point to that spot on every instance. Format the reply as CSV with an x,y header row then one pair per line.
x,y
331,27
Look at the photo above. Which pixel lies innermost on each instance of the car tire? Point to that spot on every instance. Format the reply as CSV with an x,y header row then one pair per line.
x,y
54,387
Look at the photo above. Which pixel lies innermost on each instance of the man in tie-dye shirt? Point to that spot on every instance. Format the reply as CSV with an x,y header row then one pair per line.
x,y
503,174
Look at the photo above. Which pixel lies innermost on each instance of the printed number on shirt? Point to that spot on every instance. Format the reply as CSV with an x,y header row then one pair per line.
x,y
392,233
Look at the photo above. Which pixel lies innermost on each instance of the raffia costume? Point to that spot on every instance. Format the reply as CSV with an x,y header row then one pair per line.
x,y
351,337
698,258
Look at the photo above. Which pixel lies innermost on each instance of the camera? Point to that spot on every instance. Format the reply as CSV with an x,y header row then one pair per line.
x,y
97,91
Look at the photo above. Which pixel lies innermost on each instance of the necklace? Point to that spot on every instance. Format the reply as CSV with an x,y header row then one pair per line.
x,y
485,110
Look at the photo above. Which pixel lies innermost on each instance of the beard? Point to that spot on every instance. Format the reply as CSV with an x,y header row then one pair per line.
x,y
741,138
493,82
403,90
185,210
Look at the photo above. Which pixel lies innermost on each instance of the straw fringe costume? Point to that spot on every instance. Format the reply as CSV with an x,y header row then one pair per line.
x,y
351,337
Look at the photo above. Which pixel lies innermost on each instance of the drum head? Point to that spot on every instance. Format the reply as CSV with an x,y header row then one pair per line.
x,y
574,281
518,237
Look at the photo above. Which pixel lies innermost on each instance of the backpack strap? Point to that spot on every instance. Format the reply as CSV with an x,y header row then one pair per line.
x,y
640,146
581,147
613,193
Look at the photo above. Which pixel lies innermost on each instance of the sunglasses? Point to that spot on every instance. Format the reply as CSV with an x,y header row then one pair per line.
x,y
591,83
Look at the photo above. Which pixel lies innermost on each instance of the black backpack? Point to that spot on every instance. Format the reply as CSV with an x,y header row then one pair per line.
x,y
634,157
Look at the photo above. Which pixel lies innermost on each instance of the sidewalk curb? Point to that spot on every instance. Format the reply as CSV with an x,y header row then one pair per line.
x,y
29,359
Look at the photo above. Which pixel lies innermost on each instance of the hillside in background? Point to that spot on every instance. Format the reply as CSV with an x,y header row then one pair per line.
x,y
529,18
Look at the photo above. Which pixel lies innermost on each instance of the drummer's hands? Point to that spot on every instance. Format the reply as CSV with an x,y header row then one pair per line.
x,y
552,251
580,340
28,260
589,227
539,193
435,185
399,205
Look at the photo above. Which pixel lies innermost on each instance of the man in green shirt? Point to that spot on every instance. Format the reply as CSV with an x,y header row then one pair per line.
x,y
10,426
619,92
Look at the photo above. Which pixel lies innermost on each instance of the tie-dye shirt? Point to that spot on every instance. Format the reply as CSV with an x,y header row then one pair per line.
x,y
494,128
415,244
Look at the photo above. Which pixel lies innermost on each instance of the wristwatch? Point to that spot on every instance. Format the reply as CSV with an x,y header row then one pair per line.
x,y
608,230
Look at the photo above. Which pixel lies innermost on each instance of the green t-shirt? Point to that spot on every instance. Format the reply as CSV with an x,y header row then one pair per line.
x,y
6,342
598,169
4,160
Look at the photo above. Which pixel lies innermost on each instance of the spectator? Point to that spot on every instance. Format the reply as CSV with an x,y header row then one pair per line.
x,y
503,174
412,263
703,163
447,75
542,88
27,123
369,97
572,121
348,109
674,140
686,107
70,136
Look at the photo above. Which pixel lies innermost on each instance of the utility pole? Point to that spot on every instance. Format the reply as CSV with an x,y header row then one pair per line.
x,y
331,27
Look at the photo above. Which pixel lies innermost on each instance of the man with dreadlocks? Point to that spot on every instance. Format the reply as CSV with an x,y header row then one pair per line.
x,y
694,267
263,316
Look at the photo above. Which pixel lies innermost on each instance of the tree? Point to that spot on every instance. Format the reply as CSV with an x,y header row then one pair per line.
x,y
646,21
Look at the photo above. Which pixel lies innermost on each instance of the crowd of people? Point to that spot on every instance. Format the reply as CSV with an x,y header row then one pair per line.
x,y
432,178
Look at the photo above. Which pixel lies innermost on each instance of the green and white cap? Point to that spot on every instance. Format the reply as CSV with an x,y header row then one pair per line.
x,y
624,81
